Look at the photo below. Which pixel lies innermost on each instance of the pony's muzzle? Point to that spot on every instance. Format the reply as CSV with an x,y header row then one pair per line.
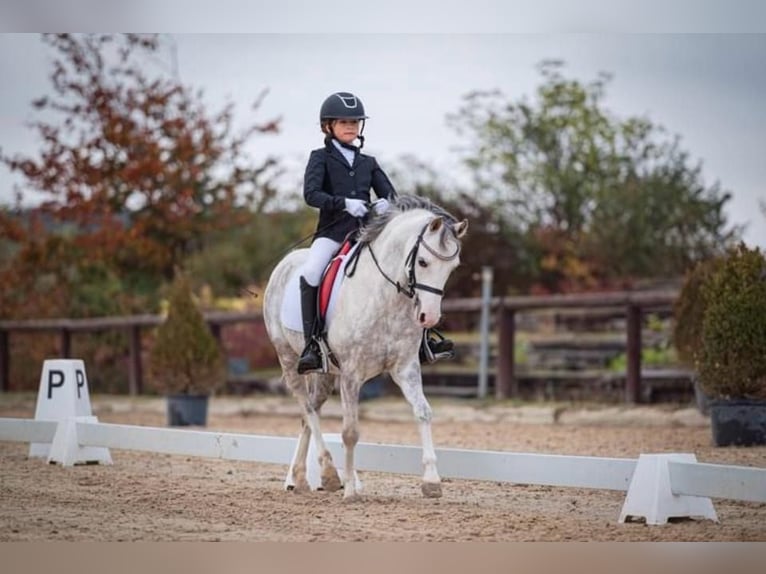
x,y
428,320
428,311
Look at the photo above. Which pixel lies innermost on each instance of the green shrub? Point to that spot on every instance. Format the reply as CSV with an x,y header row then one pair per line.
x,y
185,357
689,311
732,358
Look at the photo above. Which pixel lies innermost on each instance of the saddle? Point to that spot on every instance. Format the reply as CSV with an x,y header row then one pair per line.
x,y
328,279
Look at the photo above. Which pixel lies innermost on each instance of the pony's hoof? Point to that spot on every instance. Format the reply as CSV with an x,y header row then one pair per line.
x,y
431,489
300,487
331,482
351,498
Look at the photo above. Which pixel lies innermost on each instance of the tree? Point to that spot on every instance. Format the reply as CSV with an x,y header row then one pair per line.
x,y
236,259
490,240
137,172
599,200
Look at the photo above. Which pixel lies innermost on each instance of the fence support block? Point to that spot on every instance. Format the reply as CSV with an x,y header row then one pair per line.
x,y
650,496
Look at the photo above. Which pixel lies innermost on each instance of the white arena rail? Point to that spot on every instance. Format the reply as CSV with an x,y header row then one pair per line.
x,y
229,446
686,477
659,486
519,468
718,481
27,430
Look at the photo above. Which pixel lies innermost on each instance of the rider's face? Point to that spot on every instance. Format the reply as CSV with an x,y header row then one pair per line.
x,y
345,131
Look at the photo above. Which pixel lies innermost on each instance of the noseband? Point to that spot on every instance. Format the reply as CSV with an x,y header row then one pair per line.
x,y
412,282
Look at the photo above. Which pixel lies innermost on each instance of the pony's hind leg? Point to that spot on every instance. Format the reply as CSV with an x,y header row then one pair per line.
x,y
300,482
311,392
320,390
410,382
297,386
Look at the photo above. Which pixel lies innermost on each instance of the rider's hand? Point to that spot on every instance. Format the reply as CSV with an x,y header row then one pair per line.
x,y
381,206
356,207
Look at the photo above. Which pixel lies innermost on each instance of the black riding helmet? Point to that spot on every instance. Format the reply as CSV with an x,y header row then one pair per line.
x,y
342,105
345,106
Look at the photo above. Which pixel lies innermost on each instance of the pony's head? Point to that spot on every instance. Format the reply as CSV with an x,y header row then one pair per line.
x,y
432,240
433,257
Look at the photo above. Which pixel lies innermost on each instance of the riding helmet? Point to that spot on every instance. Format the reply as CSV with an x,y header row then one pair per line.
x,y
342,105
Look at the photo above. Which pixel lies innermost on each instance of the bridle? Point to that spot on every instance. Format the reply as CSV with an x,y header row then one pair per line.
x,y
412,283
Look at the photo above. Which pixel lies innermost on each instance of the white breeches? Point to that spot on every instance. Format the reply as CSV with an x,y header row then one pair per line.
x,y
320,254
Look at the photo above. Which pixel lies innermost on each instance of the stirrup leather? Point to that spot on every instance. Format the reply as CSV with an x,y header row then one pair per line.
x,y
327,355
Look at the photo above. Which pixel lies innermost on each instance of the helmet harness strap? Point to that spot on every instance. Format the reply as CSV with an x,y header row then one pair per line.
x,y
360,136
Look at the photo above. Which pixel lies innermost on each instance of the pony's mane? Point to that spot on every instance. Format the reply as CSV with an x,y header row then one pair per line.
x,y
403,203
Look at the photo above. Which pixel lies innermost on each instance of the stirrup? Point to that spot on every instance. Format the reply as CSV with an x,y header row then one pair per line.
x,y
326,355
314,348
427,354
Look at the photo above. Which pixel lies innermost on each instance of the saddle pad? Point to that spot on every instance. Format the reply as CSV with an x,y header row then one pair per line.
x,y
290,313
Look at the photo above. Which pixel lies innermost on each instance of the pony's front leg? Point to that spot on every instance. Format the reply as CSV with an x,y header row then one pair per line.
x,y
349,396
310,405
410,381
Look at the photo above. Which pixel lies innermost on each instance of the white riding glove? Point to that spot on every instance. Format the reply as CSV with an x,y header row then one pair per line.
x,y
381,206
356,207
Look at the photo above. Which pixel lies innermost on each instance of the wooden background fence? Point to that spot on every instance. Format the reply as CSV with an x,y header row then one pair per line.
x,y
505,309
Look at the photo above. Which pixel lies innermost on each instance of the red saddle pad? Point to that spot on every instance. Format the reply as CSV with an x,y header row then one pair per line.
x,y
325,287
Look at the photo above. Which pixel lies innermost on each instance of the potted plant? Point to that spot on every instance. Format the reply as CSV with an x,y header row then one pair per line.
x,y
688,313
731,360
185,362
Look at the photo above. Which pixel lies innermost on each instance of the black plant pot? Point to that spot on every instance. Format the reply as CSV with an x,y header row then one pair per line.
x,y
186,410
738,422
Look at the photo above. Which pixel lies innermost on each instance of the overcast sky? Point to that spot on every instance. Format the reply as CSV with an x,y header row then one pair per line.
x,y
708,88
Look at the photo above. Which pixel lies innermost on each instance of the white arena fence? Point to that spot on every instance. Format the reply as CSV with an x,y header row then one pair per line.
x,y
659,486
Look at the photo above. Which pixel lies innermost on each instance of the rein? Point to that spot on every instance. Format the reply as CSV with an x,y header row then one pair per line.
x,y
409,262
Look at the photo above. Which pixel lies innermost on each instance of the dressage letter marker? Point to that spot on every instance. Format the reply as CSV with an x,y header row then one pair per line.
x,y
63,395
55,380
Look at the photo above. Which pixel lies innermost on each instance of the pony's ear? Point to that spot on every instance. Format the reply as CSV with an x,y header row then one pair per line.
x,y
436,224
461,228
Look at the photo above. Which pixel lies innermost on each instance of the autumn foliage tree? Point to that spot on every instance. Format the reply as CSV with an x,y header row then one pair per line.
x,y
133,172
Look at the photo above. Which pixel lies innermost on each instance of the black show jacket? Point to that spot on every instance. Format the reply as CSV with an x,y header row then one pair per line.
x,y
329,180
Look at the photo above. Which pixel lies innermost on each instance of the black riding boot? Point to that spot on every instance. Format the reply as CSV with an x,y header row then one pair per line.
x,y
311,359
435,346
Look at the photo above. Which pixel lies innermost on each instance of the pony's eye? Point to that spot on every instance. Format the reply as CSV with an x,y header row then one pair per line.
x,y
422,262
